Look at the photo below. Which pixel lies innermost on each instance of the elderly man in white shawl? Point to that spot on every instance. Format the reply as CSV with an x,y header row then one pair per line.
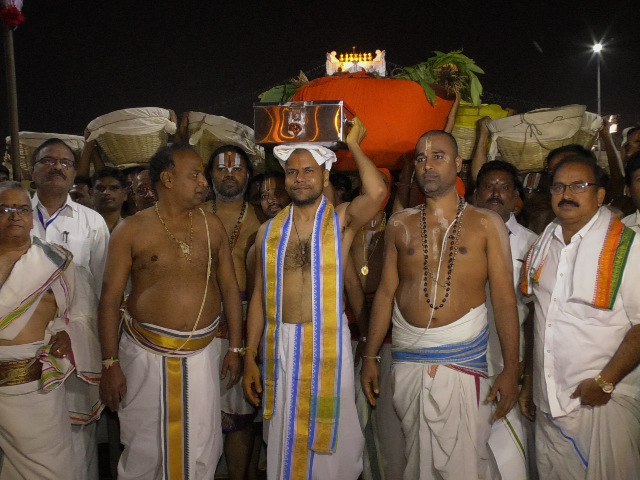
x,y
583,273
46,332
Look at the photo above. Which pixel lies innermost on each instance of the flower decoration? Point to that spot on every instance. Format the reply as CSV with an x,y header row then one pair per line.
x,y
11,14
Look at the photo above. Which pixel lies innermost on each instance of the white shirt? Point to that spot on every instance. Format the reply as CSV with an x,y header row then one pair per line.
x,y
80,230
633,221
520,239
574,341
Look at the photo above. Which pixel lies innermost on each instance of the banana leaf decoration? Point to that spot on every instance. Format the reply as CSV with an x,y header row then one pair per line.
x,y
453,71
283,93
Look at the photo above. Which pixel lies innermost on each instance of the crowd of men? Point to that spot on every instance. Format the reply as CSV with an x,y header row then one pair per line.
x,y
417,326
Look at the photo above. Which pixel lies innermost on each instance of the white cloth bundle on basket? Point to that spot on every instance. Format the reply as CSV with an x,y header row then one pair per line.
x,y
208,132
132,121
527,138
131,136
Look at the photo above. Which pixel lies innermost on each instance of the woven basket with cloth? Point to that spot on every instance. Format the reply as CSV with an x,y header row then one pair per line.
x,y
29,141
464,129
131,136
208,132
526,139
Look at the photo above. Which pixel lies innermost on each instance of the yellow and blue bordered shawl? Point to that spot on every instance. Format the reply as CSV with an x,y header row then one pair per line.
x,y
314,411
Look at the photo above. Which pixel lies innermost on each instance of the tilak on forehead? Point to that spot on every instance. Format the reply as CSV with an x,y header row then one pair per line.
x,y
268,183
228,160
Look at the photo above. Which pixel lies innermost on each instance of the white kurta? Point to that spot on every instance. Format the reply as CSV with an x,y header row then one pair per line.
x,y
444,418
346,462
573,341
140,413
508,440
633,221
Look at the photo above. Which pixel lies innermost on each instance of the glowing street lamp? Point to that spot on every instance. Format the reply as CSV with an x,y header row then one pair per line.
x,y
597,49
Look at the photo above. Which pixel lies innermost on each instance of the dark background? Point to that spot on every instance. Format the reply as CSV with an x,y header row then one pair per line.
x,y
78,59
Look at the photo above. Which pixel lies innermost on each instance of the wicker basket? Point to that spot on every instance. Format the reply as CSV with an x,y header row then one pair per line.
x,y
464,129
132,136
30,141
209,132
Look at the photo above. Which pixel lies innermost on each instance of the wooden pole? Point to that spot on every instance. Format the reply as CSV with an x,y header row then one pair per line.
x,y
12,99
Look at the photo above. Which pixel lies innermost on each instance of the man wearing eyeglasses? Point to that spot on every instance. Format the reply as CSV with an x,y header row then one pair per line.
x,y
47,331
59,220
498,189
583,274
109,194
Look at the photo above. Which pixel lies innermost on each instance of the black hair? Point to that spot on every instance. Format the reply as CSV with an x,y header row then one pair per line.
x,y
162,160
341,181
226,148
572,148
501,166
110,172
632,130
633,164
48,143
438,133
602,178
5,170
84,180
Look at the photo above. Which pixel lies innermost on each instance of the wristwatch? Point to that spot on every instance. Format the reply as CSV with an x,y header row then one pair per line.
x,y
607,387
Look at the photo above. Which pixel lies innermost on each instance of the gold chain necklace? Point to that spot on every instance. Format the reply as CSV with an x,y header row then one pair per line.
x,y
364,270
185,247
233,238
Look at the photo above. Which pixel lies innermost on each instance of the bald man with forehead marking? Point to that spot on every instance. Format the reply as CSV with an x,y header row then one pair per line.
x,y
438,258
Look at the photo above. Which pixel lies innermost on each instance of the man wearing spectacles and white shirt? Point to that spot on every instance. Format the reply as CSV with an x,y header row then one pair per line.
x,y
60,220
583,274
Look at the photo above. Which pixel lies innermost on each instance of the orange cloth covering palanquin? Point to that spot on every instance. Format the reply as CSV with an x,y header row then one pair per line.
x,y
395,112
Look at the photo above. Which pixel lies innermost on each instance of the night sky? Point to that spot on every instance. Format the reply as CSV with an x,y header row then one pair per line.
x,y
79,59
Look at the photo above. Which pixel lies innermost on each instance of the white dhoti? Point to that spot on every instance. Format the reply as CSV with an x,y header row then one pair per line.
x,y
35,433
439,392
508,446
143,429
599,443
384,441
346,462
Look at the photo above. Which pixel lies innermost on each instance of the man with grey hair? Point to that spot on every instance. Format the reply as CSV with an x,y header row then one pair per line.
x,y
230,169
47,331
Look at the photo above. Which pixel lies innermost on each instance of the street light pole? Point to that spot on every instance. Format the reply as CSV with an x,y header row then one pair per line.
x,y
597,49
599,88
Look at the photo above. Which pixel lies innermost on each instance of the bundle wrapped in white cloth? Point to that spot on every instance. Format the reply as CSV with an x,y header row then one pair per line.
x,y
527,138
132,121
208,132
131,136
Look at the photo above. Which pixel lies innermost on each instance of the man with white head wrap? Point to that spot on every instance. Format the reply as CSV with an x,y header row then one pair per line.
x,y
307,372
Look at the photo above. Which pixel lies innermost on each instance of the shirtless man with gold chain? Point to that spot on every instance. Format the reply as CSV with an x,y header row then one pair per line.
x,y
163,373
230,170
297,300
437,260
